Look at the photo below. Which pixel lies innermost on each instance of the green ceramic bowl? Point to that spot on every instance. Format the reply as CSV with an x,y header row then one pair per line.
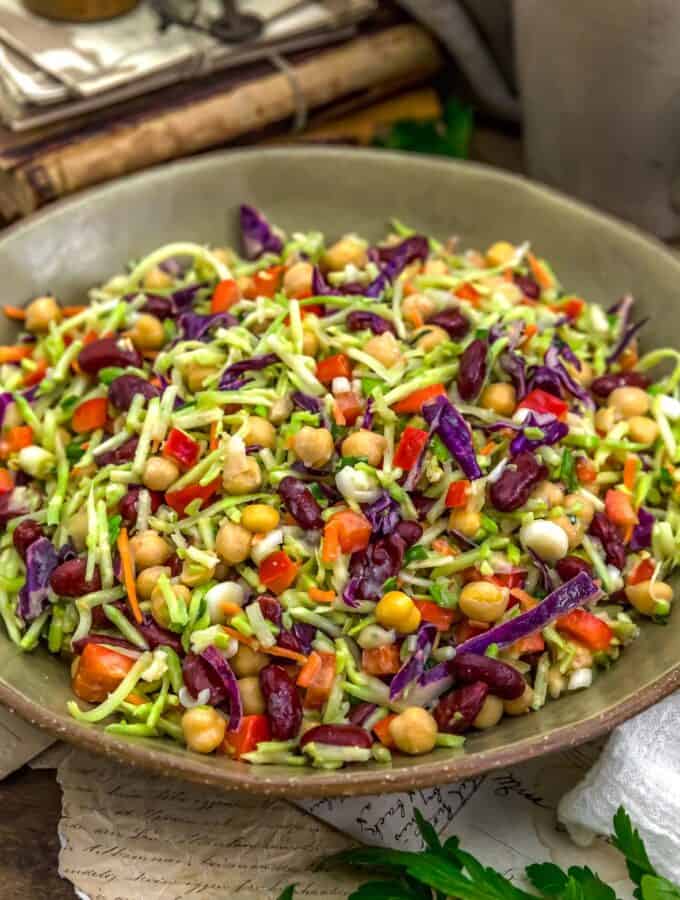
x,y
77,244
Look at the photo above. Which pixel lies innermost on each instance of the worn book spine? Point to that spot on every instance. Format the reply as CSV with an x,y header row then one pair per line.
x,y
405,54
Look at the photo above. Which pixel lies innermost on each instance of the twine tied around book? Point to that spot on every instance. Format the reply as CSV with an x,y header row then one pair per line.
x,y
301,107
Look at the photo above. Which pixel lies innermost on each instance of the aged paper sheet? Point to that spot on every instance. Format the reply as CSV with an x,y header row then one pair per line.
x,y
19,742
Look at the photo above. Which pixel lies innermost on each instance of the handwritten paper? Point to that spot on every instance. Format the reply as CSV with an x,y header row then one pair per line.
x,y
19,742
130,834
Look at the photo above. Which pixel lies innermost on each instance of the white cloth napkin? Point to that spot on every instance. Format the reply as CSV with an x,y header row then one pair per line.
x,y
639,769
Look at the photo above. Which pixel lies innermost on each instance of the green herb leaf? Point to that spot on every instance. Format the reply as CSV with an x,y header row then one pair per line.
x,y
627,840
656,888
416,552
114,528
390,890
568,471
287,893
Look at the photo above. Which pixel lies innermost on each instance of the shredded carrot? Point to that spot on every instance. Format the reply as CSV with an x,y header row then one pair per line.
x,y
213,436
310,670
529,333
526,601
15,312
338,416
539,272
442,546
128,574
630,471
68,311
320,596
15,354
286,654
415,319
241,638
628,533
229,608
489,448
136,699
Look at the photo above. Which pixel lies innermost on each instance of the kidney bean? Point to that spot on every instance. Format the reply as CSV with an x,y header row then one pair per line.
x,y
9,509
501,679
370,568
127,505
287,640
516,482
422,503
605,384
358,320
528,286
270,607
124,453
472,370
359,713
300,503
452,321
24,534
106,352
283,702
68,579
124,388
198,676
409,532
456,712
610,538
571,566
338,735
160,307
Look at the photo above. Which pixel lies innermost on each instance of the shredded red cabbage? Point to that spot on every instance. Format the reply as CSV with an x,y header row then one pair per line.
x,y
197,328
41,560
553,431
627,330
415,664
642,533
257,234
453,430
383,514
360,320
230,377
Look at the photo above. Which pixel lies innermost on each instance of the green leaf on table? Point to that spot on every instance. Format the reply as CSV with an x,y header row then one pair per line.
x,y
656,888
428,834
448,136
547,878
627,840
591,884
287,893
390,890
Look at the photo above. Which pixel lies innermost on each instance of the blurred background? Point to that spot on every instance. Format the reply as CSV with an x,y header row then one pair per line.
x,y
576,94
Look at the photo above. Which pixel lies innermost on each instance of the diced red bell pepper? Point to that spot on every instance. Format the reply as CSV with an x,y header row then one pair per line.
x,y
409,448
90,415
381,661
573,307
643,571
467,292
532,643
349,406
441,618
543,402
414,402
619,508
37,375
266,282
244,739
320,686
182,448
18,437
381,730
99,672
225,295
457,494
585,470
312,309
6,481
278,571
337,366
508,580
467,629
583,626
179,500
345,531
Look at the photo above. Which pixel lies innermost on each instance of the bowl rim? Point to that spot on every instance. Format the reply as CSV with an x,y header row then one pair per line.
x,y
355,781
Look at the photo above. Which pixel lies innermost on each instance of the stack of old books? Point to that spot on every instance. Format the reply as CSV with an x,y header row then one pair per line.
x,y
81,104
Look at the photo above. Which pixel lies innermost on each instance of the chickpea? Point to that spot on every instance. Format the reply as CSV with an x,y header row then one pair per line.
x,y
247,662
574,530
348,250
260,431
314,446
40,312
260,518
418,307
156,279
546,538
584,376
468,522
385,348
629,401
195,375
232,543
396,610
297,282
78,528
204,729
581,507
149,549
642,429
246,286
508,291
148,579
650,599
365,443
310,342
521,705
147,333
251,696
159,473
225,255
414,731
435,267
280,410
582,658
556,682
159,606
431,338
549,493
499,253
483,601
241,475
605,419
490,714
193,574
373,636
499,397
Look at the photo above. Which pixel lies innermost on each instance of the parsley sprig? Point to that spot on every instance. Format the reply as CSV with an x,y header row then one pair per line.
x,y
444,870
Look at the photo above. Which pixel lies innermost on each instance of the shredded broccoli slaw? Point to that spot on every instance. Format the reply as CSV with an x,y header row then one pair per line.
x,y
323,503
